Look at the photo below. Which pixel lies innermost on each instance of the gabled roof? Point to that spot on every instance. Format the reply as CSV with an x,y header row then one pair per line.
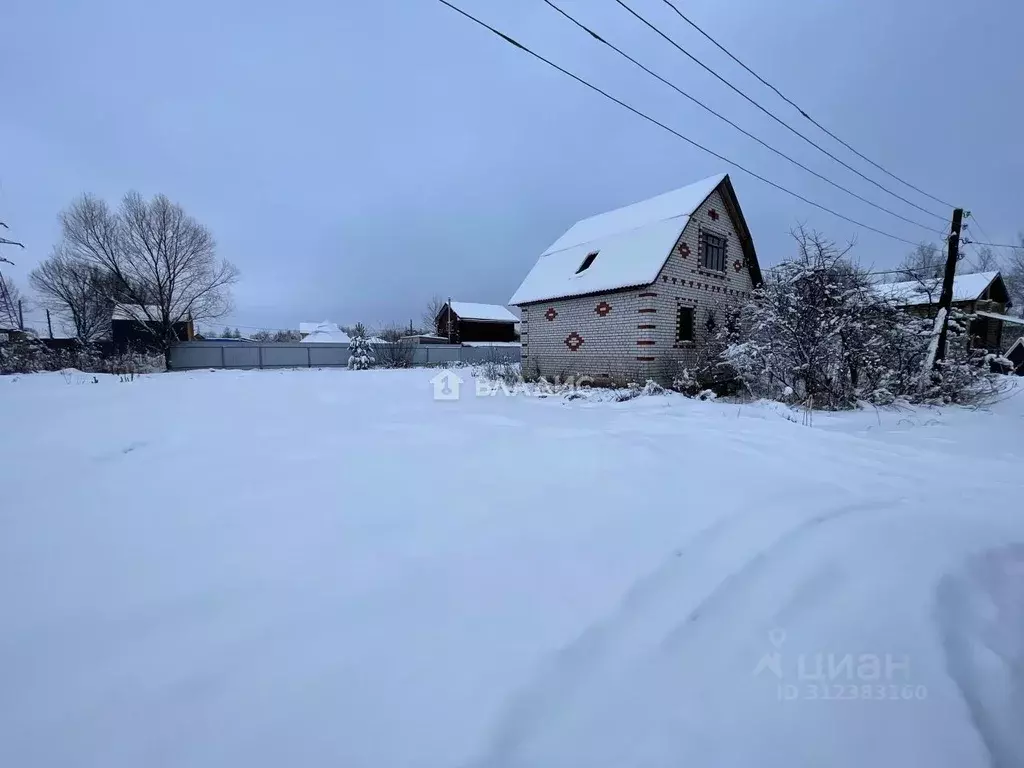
x,y
327,333
491,313
912,293
631,243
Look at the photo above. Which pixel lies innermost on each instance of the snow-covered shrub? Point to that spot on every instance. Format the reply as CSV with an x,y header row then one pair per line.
x,y
818,331
685,384
360,354
27,355
503,371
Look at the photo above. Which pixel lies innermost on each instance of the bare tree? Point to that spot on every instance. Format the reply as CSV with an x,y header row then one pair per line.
x,y
430,313
985,260
162,260
78,292
925,266
10,296
1014,274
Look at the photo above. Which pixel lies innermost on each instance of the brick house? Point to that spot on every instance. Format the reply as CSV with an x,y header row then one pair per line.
x,y
633,293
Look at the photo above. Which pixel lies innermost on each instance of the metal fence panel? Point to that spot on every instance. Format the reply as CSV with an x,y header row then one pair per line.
x,y
285,355
239,356
212,354
328,354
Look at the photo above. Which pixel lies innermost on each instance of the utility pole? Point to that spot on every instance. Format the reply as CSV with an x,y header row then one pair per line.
x,y
21,317
946,297
49,325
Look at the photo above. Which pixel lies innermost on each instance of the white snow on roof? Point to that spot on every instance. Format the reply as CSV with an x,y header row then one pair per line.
x,y
632,244
308,327
468,310
1005,318
327,333
917,292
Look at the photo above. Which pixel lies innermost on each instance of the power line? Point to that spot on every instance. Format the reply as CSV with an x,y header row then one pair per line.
x,y
661,125
772,115
723,118
799,109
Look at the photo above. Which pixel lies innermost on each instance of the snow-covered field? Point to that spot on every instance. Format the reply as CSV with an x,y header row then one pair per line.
x,y
329,568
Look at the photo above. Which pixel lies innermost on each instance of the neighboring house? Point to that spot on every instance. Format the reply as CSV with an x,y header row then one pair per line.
x,y
307,328
323,333
130,326
633,293
460,321
425,338
982,294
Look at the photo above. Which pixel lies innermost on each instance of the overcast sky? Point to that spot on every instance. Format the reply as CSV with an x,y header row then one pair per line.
x,y
355,158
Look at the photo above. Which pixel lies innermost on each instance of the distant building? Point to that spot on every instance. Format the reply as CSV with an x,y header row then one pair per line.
x,y
463,321
982,294
133,325
323,333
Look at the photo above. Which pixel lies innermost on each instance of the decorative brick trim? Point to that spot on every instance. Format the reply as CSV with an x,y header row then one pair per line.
x,y
647,359
648,295
573,341
603,308
645,327
647,310
551,314
645,342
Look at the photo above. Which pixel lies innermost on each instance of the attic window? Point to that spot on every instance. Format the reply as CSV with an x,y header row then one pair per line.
x,y
587,262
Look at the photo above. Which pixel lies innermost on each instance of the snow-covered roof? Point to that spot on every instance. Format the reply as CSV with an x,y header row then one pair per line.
x,y
631,243
917,292
309,327
326,333
493,313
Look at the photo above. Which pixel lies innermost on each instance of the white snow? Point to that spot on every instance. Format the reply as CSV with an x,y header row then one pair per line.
x,y
268,568
632,244
495,313
1011,319
326,333
916,292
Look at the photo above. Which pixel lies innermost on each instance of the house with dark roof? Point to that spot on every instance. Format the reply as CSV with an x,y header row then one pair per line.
x,y
460,322
981,294
634,293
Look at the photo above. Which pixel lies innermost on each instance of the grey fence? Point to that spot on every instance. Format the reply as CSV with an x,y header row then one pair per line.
x,y
215,354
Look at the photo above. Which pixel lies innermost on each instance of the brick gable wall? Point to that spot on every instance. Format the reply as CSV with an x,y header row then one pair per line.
x,y
630,335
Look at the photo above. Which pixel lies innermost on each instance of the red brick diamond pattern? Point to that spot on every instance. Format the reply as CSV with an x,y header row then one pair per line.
x,y
713,214
684,250
737,265
573,341
551,314
603,308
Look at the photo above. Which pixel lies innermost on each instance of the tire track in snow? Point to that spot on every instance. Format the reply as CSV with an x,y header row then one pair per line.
x,y
559,682
980,616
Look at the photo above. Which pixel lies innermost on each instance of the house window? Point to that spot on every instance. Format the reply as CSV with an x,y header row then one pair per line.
x,y
587,262
684,324
712,249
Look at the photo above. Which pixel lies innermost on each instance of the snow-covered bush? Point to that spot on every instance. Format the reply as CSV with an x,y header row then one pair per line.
x,y
818,332
26,355
360,354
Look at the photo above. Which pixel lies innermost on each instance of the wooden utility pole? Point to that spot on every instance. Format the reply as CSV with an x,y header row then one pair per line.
x,y
946,297
49,325
21,316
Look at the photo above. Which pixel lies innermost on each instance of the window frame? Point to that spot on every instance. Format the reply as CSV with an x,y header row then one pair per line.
x,y
680,325
588,262
721,245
